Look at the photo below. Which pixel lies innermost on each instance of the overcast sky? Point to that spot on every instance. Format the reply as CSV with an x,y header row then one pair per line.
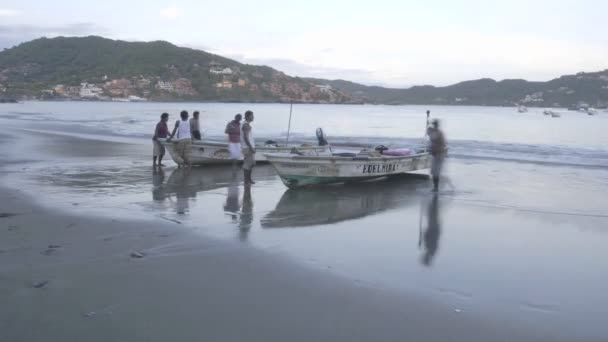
x,y
393,43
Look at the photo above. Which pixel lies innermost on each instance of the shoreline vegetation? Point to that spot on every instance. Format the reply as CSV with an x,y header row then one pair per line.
x,y
96,68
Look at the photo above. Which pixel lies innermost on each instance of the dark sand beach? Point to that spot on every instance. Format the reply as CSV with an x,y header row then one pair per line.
x,y
95,246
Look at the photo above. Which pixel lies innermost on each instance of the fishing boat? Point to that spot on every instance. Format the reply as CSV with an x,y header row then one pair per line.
x,y
522,109
216,152
304,169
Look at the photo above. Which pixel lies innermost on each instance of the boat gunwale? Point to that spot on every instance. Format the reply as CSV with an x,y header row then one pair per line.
x,y
258,146
272,157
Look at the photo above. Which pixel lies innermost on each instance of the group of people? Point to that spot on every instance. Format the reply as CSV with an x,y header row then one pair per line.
x,y
241,143
186,130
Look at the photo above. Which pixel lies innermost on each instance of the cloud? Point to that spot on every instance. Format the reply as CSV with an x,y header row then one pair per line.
x,y
398,58
7,12
171,12
11,35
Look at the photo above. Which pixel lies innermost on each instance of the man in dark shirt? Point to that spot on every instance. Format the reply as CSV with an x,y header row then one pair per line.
x,y
438,150
195,128
161,131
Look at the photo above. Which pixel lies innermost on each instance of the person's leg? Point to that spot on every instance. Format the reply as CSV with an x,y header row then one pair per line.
x,y
435,183
248,162
161,155
187,146
153,161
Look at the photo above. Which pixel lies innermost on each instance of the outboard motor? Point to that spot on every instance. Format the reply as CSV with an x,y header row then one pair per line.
x,y
321,137
381,148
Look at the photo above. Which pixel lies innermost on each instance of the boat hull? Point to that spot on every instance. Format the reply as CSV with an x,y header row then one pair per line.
x,y
214,153
298,171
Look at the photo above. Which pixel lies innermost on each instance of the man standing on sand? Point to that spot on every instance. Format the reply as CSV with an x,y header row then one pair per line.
x,y
184,138
195,127
161,131
233,129
438,150
248,145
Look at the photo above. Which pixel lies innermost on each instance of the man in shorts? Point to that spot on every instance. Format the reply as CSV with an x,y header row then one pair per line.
x,y
184,138
161,131
233,129
438,150
248,145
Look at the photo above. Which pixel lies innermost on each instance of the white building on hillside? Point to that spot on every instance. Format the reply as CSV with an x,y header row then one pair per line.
x,y
162,85
88,90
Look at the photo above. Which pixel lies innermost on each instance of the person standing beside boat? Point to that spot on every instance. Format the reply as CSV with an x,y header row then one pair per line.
x,y
233,129
438,150
161,131
248,145
184,138
195,127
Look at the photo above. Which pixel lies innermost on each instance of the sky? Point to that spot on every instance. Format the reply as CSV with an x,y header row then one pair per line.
x,y
382,42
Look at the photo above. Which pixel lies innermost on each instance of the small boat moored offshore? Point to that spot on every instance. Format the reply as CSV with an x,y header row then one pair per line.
x,y
215,152
298,170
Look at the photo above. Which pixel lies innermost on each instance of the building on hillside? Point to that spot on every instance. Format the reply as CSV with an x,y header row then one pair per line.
x,y
324,88
88,90
224,84
183,86
60,89
220,71
242,82
166,86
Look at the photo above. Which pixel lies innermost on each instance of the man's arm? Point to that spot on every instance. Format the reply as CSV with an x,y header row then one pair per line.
x,y
246,130
155,137
174,129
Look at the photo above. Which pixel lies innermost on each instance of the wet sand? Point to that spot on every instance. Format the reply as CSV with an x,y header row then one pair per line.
x,y
68,272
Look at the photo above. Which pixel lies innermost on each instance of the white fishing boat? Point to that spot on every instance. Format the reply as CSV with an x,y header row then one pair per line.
x,y
298,170
555,115
522,109
216,152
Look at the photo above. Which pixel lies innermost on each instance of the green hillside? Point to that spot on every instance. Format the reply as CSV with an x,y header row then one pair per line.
x,y
81,68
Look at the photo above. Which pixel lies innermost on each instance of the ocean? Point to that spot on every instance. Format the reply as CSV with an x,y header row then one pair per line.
x,y
519,229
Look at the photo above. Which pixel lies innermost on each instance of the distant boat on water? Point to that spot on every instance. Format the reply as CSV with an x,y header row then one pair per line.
x,y
522,109
591,111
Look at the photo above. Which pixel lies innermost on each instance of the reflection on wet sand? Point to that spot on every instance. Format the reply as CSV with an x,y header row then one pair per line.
x,y
232,205
246,213
315,206
183,184
431,234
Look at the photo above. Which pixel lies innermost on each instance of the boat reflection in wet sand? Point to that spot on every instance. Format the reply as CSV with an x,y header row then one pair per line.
x,y
331,204
186,183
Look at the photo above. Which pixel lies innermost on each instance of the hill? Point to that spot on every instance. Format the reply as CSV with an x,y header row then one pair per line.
x,y
99,68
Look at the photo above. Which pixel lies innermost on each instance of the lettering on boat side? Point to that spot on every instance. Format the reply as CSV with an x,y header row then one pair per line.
x,y
292,166
380,168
